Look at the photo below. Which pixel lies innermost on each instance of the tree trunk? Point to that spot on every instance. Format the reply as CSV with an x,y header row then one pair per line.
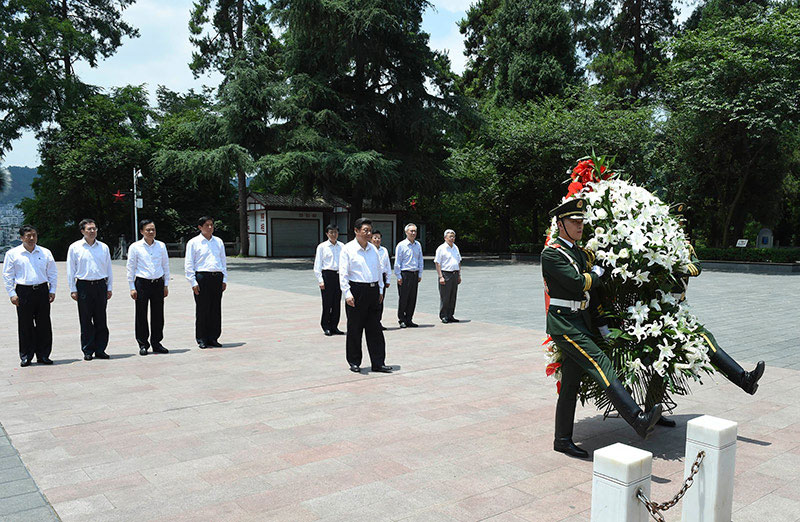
x,y
638,51
356,208
239,24
65,56
244,237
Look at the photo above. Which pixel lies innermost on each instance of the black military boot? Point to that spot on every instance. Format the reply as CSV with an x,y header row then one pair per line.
x,y
748,381
565,418
628,409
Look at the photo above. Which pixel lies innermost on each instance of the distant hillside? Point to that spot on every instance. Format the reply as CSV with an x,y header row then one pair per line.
x,y
21,178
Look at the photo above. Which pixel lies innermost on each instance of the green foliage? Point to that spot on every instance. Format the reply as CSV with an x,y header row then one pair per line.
x,y
40,41
762,255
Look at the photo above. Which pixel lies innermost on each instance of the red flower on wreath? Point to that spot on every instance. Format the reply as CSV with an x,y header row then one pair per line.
x,y
551,368
574,188
558,387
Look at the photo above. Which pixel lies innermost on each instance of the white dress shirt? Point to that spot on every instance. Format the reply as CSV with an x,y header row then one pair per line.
x,y
88,262
407,256
21,267
327,258
448,257
360,265
205,255
386,265
147,261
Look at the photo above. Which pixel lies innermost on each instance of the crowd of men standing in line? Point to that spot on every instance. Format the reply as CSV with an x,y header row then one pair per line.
x,y
358,271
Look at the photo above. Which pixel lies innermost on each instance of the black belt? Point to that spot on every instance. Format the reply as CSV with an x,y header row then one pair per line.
x,y
151,281
334,271
409,271
449,271
33,287
210,273
363,285
93,281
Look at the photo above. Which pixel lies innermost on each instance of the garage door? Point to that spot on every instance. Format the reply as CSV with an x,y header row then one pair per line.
x,y
387,234
295,237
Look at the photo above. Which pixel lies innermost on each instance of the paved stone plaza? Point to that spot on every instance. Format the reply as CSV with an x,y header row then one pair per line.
x,y
273,426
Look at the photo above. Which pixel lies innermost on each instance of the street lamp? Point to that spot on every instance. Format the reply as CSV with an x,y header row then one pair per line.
x,y
137,202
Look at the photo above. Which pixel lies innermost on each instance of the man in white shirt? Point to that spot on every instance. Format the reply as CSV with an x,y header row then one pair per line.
x,y
90,281
206,270
30,277
148,278
361,281
448,266
386,268
326,269
408,269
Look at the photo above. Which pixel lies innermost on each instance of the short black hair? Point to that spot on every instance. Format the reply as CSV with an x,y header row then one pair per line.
x,y
203,219
377,232
330,227
85,222
360,222
24,229
143,223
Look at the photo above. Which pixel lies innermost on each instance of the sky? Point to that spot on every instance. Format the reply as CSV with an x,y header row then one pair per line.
x,y
161,54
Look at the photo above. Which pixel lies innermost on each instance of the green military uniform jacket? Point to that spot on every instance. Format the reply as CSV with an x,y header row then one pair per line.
x,y
563,281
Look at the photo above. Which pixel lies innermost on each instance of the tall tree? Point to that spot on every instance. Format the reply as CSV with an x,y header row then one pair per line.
x,y
233,37
40,42
518,50
732,89
369,102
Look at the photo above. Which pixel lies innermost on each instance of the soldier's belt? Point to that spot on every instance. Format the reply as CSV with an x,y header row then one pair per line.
x,y
573,305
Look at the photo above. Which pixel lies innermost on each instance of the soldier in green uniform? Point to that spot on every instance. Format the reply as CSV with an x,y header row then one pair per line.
x,y
569,278
724,363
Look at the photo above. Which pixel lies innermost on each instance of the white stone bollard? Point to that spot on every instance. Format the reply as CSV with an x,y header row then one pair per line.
x,y
710,499
619,472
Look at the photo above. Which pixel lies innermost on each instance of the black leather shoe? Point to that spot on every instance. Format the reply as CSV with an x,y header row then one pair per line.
x,y
102,355
354,368
412,325
453,320
750,379
160,349
24,362
328,333
143,351
214,343
403,325
667,423
383,369
87,357
568,447
45,360
444,320
338,332
202,345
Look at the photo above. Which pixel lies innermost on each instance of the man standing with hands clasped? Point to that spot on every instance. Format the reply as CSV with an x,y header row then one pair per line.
x,y
207,272
448,266
408,269
361,280
148,277
326,268
30,277
90,280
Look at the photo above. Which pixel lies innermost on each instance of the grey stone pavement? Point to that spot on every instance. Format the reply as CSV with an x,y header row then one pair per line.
x,y
274,427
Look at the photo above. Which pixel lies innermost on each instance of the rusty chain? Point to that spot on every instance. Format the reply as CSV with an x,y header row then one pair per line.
x,y
655,509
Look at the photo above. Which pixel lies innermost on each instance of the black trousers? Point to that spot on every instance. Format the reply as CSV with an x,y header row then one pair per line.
x,y
208,307
150,294
408,295
92,302
447,294
363,317
331,300
33,322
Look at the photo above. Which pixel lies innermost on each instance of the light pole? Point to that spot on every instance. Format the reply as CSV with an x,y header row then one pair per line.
x,y
137,202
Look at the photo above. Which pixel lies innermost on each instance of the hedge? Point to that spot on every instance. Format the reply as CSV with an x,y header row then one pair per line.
x,y
753,255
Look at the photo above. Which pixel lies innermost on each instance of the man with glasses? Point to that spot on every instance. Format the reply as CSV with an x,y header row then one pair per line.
x,y
148,277
448,266
206,270
90,280
408,269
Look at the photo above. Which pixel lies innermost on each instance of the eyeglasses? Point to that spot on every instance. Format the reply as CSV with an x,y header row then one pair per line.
x,y
90,229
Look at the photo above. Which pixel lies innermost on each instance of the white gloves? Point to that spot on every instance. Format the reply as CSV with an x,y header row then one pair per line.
x,y
599,270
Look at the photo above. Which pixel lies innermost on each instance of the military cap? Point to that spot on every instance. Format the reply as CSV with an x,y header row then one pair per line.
x,y
573,208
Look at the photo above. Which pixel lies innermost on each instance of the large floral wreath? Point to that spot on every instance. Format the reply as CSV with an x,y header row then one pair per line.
x,y
655,341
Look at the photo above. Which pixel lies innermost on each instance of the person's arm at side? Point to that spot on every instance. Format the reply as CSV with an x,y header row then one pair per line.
x,y
130,267
165,267
8,278
318,266
421,262
72,269
437,262
398,257
344,281
224,260
52,276
188,267
458,253
110,280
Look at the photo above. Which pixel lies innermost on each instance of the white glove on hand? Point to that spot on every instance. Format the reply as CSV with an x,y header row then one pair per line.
x,y
599,270
604,331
